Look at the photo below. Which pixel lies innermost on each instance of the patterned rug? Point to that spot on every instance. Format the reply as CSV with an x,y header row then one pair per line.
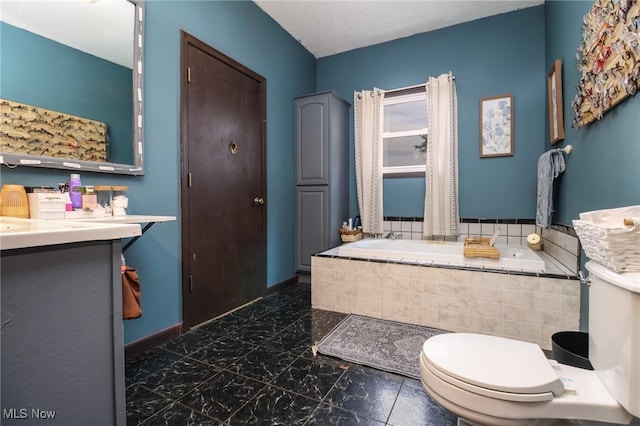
x,y
386,345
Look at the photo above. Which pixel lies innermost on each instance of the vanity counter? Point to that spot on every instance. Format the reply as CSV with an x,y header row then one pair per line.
x,y
62,335
130,218
18,233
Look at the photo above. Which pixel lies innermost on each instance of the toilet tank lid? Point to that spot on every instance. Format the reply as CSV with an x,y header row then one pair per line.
x,y
491,362
627,280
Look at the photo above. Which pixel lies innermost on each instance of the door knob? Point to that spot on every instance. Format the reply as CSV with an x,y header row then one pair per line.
x,y
258,201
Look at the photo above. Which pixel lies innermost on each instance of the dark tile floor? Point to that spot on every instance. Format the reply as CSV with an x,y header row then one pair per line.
x,y
255,366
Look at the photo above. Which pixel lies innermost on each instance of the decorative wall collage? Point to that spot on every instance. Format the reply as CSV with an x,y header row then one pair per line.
x,y
608,58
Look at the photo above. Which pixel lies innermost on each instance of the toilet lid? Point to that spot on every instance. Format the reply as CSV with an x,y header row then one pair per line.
x,y
493,363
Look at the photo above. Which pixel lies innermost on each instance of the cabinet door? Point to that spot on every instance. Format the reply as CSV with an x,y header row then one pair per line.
x,y
312,140
312,224
62,335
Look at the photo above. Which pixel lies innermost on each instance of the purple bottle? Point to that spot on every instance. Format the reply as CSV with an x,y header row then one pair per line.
x,y
75,191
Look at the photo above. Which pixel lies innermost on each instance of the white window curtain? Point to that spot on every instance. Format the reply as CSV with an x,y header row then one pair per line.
x,y
441,214
368,152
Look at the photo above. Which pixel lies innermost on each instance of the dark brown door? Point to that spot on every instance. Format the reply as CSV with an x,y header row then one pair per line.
x,y
223,183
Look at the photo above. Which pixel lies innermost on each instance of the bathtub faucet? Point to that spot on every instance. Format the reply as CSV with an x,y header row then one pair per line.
x,y
393,236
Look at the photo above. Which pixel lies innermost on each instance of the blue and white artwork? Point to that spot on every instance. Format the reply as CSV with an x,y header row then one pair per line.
x,y
496,126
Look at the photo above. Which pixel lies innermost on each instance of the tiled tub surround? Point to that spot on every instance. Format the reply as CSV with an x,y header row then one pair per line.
x,y
527,307
513,231
560,243
449,253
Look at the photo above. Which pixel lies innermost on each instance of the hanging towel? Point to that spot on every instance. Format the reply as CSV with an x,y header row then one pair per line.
x,y
550,165
130,294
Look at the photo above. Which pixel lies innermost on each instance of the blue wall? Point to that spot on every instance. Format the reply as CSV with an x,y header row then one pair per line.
x,y
509,53
489,57
603,171
242,31
57,77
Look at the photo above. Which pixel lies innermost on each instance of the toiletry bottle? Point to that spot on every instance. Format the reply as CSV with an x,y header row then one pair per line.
x,y
75,191
357,223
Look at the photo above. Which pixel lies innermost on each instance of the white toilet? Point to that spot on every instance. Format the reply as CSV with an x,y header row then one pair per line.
x,y
488,380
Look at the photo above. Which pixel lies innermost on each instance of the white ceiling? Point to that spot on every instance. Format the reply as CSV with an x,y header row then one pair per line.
x,y
324,27
327,27
103,28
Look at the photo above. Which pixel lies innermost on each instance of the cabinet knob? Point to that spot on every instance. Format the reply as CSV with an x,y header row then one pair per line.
x,y
258,201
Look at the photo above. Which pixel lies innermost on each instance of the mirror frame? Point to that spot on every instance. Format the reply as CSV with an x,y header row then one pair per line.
x,y
13,160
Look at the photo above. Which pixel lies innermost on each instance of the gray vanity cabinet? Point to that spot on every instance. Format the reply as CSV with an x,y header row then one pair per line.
x,y
62,335
322,167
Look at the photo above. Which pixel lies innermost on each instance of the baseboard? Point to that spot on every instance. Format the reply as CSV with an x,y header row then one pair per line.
x,y
282,284
137,347
304,277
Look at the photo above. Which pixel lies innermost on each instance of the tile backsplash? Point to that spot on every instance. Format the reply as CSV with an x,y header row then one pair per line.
x,y
562,243
559,242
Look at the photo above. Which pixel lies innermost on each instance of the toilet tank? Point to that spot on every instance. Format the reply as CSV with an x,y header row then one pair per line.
x,y
614,333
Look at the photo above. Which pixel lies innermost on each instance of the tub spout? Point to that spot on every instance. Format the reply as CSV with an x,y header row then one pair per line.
x,y
393,236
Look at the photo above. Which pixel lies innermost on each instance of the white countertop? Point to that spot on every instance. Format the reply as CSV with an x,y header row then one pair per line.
x,y
21,233
130,218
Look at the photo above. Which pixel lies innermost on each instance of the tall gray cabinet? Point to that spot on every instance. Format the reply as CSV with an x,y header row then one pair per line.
x,y
322,182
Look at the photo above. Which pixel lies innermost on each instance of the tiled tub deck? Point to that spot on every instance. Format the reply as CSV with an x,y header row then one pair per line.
x,y
527,307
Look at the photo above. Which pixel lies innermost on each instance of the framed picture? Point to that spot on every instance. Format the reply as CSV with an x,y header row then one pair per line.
x,y
496,126
554,94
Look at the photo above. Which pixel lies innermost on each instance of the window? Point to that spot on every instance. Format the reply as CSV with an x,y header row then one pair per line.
x,y
404,134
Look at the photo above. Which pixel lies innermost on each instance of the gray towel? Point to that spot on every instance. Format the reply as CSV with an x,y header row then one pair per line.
x,y
550,165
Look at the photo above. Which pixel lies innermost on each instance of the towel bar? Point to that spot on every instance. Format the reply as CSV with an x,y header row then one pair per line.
x,y
567,149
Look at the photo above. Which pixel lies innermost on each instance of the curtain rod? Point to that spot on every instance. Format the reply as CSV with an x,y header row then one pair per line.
x,y
399,89
453,77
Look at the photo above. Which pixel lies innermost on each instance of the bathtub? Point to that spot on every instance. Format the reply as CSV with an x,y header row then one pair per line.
x,y
517,259
434,285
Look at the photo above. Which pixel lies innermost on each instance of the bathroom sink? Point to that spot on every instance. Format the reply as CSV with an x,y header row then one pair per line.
x,y
21,233
7,227
9,224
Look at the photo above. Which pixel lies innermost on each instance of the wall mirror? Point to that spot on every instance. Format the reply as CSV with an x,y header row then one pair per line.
x,y
71,85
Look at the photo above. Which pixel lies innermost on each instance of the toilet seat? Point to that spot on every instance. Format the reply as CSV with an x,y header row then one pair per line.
x,y
490,393
493,366
585,398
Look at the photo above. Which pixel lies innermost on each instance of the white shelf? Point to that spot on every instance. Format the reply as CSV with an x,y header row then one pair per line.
x,y
132,218
22,233
136,218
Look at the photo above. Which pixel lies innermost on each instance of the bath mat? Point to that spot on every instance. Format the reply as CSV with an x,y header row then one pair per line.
x,y
386,345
